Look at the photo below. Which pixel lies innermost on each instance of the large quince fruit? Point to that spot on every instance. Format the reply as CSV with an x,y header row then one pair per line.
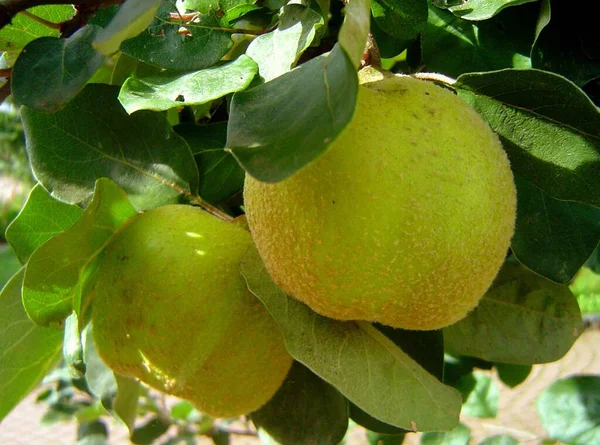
x,y
172,309
406,218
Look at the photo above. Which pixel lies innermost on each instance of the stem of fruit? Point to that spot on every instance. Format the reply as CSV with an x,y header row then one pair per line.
x,y
371,56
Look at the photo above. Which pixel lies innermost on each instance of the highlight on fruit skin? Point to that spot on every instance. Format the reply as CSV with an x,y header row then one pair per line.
x,y
406,218
172,309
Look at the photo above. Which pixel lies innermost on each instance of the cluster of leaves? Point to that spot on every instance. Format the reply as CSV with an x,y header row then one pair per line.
x,y
157,102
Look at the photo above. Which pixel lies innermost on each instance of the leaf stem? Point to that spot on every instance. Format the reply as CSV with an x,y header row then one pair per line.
x,y
41,20
210,208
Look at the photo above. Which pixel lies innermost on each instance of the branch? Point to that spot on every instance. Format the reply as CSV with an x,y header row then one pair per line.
x,y
10,8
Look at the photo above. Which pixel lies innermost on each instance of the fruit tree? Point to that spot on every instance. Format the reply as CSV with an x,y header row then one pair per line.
x,y
303,212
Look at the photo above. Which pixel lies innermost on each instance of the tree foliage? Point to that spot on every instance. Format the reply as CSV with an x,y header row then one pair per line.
x,y
128,107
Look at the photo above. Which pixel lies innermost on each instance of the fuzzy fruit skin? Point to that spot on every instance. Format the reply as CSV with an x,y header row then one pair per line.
x,y
172,309
405,220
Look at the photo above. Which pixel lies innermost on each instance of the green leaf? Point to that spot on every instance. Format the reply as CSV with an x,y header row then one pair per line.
x,y
426,348
483,399
94,137
553,238
99,377
453,46
278,127
220,437
586,287
403,20
385,439
567,50
547,125
28,352
131,19
51,71
165,90
161,44
304,410
457,436
92,433
483,9
125,404
56,271
512,375
355,29
41,218
522,319
357,359
23,29
278,51
221,177
570,411
150,431
9,264
73,347
500,439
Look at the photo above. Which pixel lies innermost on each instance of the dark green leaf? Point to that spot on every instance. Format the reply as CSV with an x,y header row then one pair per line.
x,y
357,359
548,126
454,46
28,351
483,9
73,347
279,127
426,348
165,90
353,34
565,49
56,272
42,218
51,71
570,411
278,51
161,44
90,413
522,319
457,436
221,176
133,17
388,46
220,437
150,431
501,439
403,20
94,137
483,399
23,29
92,433
553,238
9,264
385,439
304,410
512,375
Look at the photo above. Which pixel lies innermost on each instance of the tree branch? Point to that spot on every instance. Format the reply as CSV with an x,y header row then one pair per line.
x,y
10,8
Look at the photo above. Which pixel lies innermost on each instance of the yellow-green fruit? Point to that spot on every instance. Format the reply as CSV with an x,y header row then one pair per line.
x,y
405,220
172,309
